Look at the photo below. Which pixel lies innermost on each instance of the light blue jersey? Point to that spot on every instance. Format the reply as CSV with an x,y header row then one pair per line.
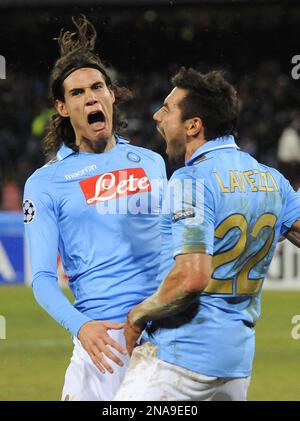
x,y
237,216
101,212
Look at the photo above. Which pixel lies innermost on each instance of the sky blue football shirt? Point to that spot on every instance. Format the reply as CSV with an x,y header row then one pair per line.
x,y
234,208
101,213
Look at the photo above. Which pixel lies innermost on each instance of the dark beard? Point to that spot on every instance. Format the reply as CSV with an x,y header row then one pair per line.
x,y
177,160
174,163
97,146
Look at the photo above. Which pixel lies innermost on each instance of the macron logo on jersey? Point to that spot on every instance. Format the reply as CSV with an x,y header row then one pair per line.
x,y
115,184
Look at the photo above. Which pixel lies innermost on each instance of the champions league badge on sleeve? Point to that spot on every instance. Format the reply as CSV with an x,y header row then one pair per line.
x,y
29,211
183,214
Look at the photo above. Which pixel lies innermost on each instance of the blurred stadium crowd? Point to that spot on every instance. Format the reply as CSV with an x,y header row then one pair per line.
x,y
146,46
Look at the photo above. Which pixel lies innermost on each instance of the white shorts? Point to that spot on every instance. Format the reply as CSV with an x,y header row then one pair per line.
x,y
151,379
84,381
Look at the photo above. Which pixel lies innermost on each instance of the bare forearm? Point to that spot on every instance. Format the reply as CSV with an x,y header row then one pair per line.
x,y
181,288
171,298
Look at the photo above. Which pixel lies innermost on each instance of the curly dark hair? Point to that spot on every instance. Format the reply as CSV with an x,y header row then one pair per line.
x,y
211,98
77,51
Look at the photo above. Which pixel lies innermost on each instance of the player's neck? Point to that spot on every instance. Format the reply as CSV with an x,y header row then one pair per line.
x,y
192,146
100,146
111,143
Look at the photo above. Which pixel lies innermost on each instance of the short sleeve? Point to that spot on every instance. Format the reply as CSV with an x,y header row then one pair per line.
x,y
191,204
292,208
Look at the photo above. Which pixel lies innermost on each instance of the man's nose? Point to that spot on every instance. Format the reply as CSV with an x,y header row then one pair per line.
x,y
157,115
91,97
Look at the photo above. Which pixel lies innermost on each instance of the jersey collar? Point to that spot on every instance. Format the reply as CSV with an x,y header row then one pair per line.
x,y
213,145
64,151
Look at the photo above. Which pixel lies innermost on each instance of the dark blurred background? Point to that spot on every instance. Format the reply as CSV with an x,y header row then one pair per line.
x,y
144,43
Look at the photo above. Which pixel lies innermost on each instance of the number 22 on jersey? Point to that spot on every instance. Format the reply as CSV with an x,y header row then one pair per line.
x,y
242,284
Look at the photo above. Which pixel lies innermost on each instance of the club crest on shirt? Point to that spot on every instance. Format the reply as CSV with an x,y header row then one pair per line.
x,y
29,211
133,157
183,214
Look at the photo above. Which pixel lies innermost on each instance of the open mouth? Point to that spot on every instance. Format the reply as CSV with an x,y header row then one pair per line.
x,y
96,119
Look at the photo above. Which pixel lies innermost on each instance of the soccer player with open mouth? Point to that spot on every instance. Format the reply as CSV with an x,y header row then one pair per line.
x,y
97,204
217,247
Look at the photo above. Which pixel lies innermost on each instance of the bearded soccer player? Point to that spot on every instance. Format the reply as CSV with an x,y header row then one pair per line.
x,y
218,242
96,204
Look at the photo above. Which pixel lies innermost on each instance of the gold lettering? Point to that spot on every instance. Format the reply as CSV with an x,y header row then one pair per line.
x,y
222,187
237,181
265,177
242,180
234,182
273,180
250,180
260,186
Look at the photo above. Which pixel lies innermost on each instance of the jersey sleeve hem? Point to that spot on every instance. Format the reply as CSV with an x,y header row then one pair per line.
x,y
193,249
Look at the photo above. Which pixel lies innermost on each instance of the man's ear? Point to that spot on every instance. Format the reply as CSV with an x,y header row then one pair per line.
x,y
112,94
61,108
194,126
